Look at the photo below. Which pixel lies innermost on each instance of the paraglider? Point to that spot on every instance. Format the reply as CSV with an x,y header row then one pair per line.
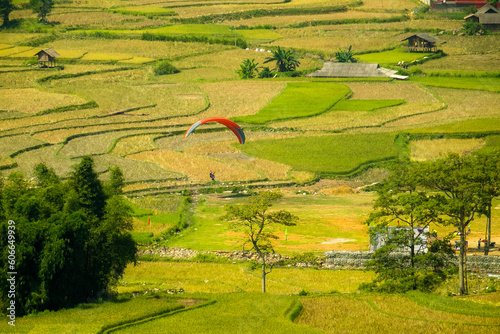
x,y
230,124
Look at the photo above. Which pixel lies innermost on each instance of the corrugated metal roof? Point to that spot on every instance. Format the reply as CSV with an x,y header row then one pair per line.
x,y
352,70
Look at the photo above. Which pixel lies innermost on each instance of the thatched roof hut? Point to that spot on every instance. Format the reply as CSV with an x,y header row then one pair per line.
x,y
47,57
488,16
354,70
421,42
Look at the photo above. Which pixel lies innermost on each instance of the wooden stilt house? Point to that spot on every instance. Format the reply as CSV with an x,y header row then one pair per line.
x,y
421,42
47,57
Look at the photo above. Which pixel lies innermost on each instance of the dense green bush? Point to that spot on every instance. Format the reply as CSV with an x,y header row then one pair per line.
x,y
165,67
473,28
70,240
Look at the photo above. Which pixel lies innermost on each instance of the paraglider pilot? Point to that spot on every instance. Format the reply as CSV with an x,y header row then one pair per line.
x,y
212,175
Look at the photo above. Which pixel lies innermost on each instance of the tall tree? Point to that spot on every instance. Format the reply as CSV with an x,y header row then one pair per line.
x,y
116,181
89,190
67,252
42,8
6,7
488,172
254,219
285,60
402,200
456,178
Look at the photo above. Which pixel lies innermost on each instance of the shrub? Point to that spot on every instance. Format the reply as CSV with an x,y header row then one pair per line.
x,y
473,28
165,67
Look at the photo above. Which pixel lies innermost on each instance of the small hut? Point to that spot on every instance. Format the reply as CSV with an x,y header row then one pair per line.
x,y
422,42
488,16
47,57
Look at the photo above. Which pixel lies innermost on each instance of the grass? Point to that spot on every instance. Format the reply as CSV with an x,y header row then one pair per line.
x,y
381,312
335,154
391,57
229,278
471,125
90,318
299,100
144,10
365,105
486,84
317,224
238,313
261,34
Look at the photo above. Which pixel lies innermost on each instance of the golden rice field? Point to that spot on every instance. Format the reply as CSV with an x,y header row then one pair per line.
x,y
137,48
31,100
194,167
460,104
96,19
423,150
284,20
380,312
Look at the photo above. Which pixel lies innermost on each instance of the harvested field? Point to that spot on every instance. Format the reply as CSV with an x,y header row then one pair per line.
x,y
465,62
31,100
194,167
285,21
462,104
423,150
137,48
240,98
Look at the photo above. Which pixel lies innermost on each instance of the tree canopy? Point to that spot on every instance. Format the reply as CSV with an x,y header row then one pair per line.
x,y
254,219
72,239
285,60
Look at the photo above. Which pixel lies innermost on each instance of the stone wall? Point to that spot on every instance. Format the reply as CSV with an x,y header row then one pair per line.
x,y
182,253
332,260
346,259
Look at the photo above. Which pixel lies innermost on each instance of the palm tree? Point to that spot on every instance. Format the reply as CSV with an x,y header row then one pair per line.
x,y
345,56
285,59
247,69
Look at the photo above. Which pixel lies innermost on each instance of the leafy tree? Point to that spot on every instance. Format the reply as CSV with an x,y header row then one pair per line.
x,y
285,60
67,252
488,172
116,181
401,199
247,69
85,183
266,72
396,275
254,220
345,56
42,8
460,196
45,176
6,7
470,10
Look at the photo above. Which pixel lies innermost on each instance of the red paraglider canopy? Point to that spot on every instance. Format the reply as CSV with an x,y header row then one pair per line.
x,y
230,124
